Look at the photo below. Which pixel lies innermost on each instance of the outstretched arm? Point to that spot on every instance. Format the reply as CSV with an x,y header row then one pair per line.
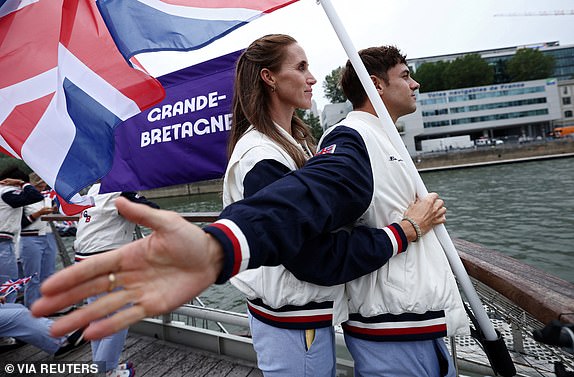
x,y
158,273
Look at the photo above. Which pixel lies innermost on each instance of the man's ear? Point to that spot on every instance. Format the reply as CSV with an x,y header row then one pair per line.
x,y
378,83
267,77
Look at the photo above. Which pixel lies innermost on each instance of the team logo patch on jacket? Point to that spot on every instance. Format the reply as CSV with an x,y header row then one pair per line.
x,y
329,149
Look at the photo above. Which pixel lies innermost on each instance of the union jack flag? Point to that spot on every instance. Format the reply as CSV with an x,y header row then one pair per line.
x,y
156,25
327,150
13,285
64,87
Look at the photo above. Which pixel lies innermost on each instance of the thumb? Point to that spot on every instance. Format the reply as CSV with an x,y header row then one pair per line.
x,y
141,213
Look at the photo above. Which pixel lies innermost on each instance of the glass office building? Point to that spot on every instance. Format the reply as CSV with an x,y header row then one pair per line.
x,y
512,112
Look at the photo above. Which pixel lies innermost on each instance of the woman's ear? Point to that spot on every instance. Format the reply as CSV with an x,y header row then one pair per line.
x,y
267,77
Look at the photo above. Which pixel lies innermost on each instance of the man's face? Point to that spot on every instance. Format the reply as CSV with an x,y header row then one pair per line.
x,y
399,95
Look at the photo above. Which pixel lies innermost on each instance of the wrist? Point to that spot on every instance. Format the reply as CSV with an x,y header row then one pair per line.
x,y
215,251
415,226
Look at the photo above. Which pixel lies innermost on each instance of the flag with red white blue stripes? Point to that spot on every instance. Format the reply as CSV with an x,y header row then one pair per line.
x,y
182,25
64,87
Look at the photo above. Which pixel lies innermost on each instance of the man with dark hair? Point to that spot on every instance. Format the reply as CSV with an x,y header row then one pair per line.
x,y
399,314
15,193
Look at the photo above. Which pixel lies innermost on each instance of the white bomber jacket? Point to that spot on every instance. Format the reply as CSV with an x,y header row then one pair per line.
x,y
275,295
414,296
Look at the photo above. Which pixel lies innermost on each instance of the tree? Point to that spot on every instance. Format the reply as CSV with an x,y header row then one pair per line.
x,y
467,71
431,76
331,87
313,122
529,64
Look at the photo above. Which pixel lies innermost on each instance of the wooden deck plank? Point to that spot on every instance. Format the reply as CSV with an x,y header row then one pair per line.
x,y
151,358
20,354
244,371
172,357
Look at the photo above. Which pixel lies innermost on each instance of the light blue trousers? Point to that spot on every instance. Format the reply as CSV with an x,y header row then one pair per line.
x,y
38,257
8,266
108,349
17,322
283,353
399,359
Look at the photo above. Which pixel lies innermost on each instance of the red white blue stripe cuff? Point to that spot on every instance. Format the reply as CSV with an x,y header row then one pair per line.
x,y
235,247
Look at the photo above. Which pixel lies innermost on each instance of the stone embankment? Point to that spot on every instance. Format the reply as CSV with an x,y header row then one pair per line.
x,y
504,153
464,158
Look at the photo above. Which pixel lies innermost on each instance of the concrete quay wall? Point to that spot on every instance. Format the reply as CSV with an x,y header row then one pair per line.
x,y
494,154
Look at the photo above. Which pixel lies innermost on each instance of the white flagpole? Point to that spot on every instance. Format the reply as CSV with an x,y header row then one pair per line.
x,y
391,130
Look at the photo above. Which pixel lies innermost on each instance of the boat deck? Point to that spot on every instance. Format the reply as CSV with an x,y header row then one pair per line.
x,y
151,357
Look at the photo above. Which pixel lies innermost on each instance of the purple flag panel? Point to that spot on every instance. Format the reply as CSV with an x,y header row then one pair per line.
x,y
182,139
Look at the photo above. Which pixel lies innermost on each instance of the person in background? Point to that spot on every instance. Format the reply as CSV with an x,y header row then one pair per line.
x,y
17,322
267,141
100,229
37,244
15,193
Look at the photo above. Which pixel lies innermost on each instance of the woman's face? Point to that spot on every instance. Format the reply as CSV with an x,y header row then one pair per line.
x,y
294,80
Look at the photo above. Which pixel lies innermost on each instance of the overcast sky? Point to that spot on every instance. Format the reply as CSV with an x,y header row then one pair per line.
x,y
420,28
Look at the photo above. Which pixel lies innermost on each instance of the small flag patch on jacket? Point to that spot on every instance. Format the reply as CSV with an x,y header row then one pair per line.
x,y
329,149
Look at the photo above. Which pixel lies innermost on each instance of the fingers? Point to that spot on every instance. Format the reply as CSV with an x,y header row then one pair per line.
x,y
115,323
59,293
439,210
440,217
79,273
92,313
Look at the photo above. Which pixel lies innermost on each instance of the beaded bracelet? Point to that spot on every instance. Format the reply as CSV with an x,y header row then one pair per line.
x,y
416,226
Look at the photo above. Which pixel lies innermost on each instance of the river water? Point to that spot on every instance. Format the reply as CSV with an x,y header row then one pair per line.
x,y
524,210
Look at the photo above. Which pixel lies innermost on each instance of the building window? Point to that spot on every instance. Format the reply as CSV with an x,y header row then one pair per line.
x,y
441,123
435,112
566,100
497,105
455,97
568,114
565,91
495,117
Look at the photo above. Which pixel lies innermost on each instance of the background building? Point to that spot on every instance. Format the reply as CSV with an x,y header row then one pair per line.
x,y
503,112
513,112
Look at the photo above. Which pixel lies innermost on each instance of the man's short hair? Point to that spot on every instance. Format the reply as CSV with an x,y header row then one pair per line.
x,y
377,61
